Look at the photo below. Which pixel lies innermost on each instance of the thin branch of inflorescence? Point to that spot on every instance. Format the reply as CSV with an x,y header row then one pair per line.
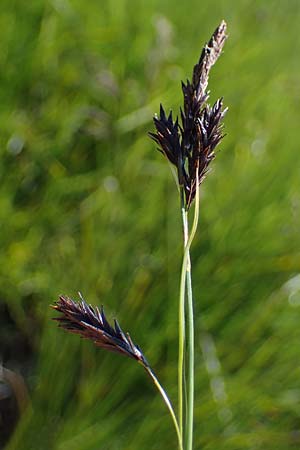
x,y
91,323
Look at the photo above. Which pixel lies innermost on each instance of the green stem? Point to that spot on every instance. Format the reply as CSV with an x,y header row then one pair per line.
x,y
190,320
181,320
186,281
168,404
190,350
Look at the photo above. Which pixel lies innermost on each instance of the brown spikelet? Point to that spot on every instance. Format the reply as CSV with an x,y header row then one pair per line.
x,y
190,147
208,57
91,323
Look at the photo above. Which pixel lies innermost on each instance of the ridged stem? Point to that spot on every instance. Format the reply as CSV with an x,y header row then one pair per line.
x,y
190,324
186,283
181,320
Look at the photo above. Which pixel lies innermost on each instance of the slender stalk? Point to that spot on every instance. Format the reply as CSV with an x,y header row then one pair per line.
x,y
181,321
168,404
186,281
190,350
190,320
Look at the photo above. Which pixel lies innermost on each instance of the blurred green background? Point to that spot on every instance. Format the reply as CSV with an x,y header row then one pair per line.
x,y
86,203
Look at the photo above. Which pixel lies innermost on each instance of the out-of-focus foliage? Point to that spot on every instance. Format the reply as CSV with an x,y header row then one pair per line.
x,y
87,204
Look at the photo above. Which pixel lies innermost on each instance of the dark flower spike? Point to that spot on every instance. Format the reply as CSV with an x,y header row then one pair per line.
x,y
90,323
209,133
190,147
168,139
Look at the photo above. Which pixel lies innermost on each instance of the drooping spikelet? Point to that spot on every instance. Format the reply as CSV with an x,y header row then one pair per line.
x,y
90,323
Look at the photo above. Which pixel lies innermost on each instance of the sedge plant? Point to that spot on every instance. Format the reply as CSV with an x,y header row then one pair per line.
x,y
189,145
